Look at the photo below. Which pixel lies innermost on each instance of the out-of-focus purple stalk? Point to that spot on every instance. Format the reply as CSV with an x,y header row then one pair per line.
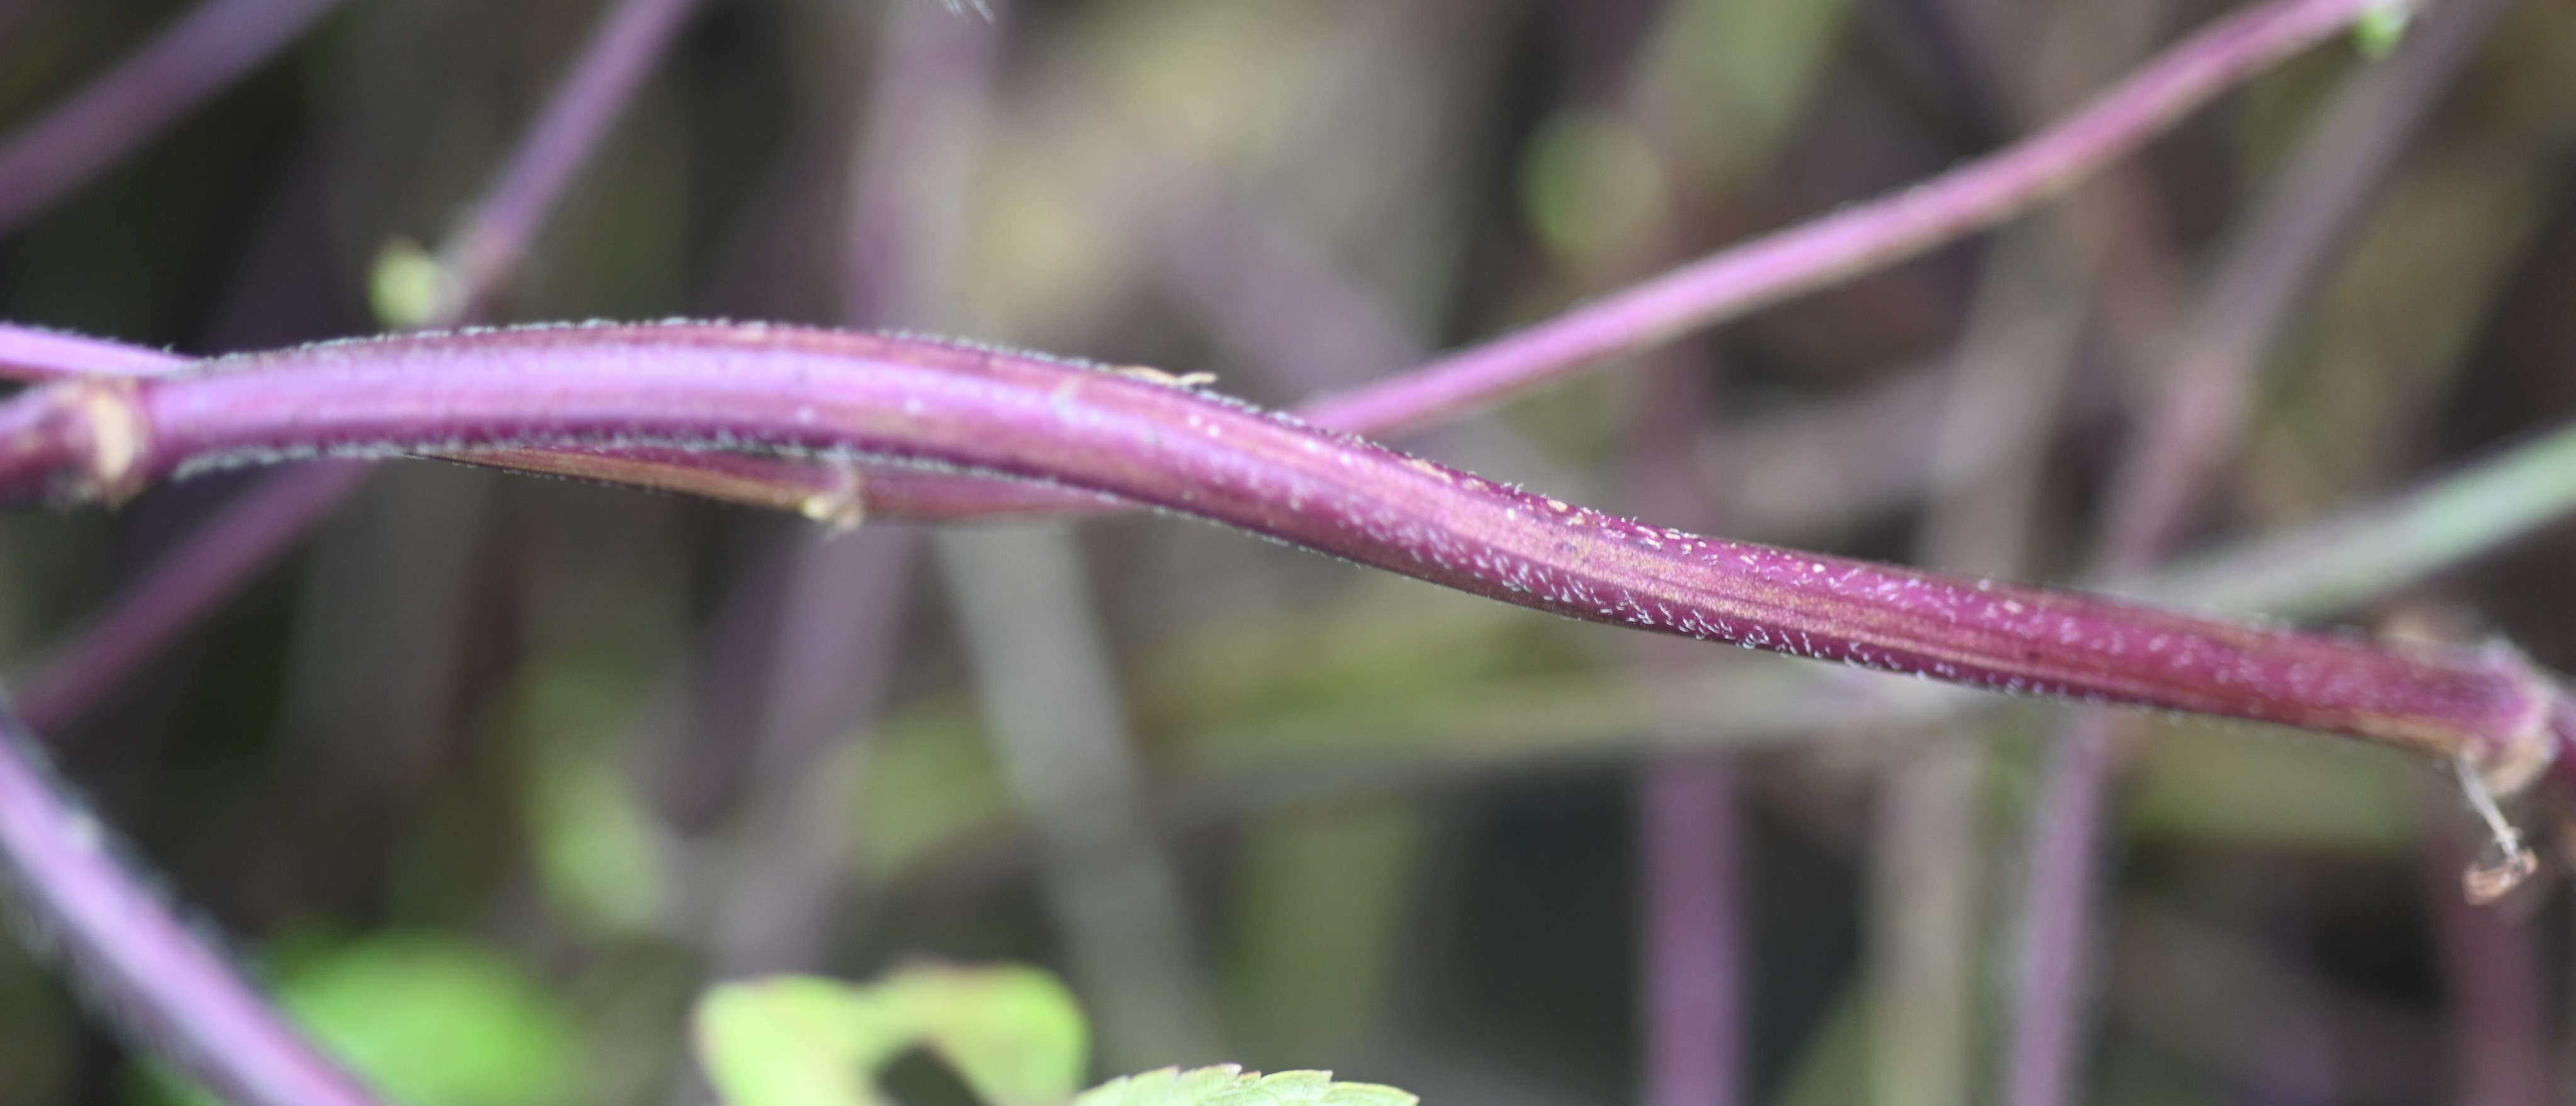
x,y
781,388
149,970
177,590
1824,251
1688,826
2496,997
482,254
1694,978
1732,281
834,636
2294,237
250,534
204,51
34,353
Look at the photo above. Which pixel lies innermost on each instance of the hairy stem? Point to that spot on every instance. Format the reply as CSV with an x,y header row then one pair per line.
x,y
786,389
151,970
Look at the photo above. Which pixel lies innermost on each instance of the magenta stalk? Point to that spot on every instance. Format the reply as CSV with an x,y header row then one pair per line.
x,y
487,249
1729,283
1824,251
207,49
757,388
148,969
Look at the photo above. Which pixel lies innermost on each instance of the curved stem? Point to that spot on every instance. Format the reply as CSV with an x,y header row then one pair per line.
x,y
151,970
795,390
1825,251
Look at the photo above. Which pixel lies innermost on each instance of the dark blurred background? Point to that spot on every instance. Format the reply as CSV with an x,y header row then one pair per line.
x,y
496,773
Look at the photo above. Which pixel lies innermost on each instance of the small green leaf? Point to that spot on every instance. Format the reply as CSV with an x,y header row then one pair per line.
x,y
1013,1035
793,1041
1230,1085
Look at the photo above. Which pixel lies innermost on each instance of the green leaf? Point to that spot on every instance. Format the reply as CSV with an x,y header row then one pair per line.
x,y
1230,1085
793,1041
1013,1035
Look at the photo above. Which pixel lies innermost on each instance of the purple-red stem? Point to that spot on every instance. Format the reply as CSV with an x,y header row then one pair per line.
x,y
207,49
147,968
1730,282
180,588
1688,827
250,534
1693,969
483,253
2492,973
1823,251
2294,237
790,389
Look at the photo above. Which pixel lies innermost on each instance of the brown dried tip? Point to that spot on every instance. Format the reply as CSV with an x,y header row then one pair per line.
x,y
2485,882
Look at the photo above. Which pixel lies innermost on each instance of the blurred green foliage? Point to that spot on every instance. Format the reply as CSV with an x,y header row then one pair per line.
x,y
1013,1035
428,1020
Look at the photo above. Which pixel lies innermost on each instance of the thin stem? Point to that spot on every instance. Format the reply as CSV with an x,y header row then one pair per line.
x,y
207,49
1733,281
2497,1007
480,256
779,388
2335,563
252,533
180,588
1690,851
154,972
1825,251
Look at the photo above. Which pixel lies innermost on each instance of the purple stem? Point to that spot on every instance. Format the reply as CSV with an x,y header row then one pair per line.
x,y
161,982
34,353
2294,237
2497,1004
177,590
1739,279
799,390
482,254
211,565
1824,251
1687,821
208,48
1694,979
835,636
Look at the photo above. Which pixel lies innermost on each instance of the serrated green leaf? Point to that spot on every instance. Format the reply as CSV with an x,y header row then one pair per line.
x,y
1230,1085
